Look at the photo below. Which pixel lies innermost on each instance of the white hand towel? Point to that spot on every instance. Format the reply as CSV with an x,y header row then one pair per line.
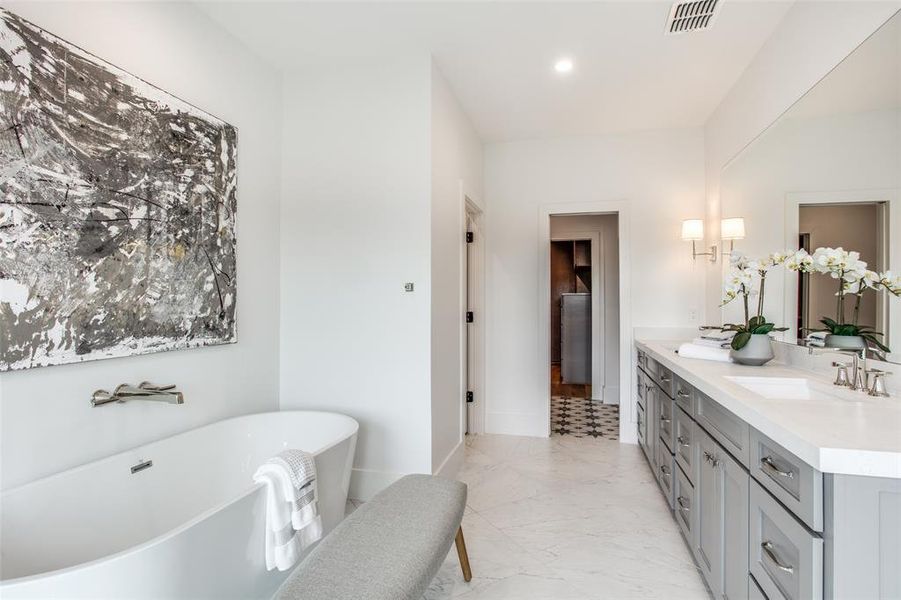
x,y
690,350
292,516
710,343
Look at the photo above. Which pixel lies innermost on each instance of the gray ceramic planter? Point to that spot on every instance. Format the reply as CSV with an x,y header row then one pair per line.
x,y
845,342
757,352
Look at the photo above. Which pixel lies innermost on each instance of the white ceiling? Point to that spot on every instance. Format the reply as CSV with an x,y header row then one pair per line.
x,y
499,56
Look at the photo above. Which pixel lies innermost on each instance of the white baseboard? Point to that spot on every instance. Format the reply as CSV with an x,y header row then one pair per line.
x,y
515,423
364,484
452,462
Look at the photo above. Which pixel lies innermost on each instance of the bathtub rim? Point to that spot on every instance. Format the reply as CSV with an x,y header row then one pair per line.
x,y
206,514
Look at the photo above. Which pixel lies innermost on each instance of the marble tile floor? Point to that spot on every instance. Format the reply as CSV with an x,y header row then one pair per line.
x,y
565,518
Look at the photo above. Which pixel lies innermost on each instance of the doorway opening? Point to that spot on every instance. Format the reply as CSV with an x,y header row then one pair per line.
x,y
584,326
858,225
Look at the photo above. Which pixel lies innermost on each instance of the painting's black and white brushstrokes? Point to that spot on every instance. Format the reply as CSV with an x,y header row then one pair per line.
x,y
117,210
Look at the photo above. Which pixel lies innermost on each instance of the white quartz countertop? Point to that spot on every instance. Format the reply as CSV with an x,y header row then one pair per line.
x,y
835,431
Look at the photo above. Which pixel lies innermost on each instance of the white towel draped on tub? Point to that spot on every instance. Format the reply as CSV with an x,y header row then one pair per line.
x,y
292,516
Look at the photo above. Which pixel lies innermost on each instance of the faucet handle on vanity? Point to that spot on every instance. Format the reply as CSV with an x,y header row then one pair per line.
x,y
877,388
841,376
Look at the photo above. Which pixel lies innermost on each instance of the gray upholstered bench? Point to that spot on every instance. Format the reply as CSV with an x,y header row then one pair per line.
x,y
388,549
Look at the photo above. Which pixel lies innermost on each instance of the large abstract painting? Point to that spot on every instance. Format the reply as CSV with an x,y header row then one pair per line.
x,y
117,210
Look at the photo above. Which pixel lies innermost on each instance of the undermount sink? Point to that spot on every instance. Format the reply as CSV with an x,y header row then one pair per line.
x,y
781,388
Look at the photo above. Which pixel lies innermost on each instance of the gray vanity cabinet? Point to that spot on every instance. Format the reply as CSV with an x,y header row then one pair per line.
x,y
721,499
762,523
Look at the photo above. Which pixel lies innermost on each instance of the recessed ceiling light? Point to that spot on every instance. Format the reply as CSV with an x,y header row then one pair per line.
x,y
563,66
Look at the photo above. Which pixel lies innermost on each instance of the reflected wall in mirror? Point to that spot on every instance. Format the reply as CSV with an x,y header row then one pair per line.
x,y
827,174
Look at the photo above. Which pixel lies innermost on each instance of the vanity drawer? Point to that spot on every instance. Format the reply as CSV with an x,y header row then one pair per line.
x,y
665,379
664,472
666,422
682,447
682,394
732,433
785,558
793,482
684,495
642,360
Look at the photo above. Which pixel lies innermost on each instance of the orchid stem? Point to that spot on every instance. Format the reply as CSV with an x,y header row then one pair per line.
x,y
760,299
744,294
840,309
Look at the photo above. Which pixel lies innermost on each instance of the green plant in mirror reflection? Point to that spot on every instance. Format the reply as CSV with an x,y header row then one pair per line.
x,y
852,279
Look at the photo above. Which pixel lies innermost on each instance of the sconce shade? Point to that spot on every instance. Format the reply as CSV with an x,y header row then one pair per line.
x,y
732,229
692,230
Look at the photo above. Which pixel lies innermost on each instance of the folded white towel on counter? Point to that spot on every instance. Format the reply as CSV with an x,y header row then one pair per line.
x,y
711,342
292,514
817,339
692,350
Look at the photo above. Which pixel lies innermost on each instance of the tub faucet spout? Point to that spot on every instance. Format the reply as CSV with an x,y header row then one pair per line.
x,y
145,391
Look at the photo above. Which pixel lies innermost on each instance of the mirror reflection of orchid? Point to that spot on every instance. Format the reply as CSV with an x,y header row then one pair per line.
x,y
853,279
740,284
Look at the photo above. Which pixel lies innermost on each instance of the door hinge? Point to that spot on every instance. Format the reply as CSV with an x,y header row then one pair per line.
x,y
470,397
470,317
470,237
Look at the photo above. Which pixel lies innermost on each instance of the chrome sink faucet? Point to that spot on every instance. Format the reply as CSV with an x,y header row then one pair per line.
x,y
859,377
144,391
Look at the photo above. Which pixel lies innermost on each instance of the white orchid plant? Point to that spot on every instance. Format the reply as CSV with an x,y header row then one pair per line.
x,y
853,279
740,283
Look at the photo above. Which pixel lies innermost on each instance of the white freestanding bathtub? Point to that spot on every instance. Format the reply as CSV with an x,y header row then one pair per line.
x,y
189,526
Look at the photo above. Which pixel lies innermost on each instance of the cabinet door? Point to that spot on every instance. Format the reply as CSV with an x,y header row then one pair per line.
x,y
709,537
651,412
736,513
722,520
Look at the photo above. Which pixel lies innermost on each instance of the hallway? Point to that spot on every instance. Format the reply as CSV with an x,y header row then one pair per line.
x,y
565,518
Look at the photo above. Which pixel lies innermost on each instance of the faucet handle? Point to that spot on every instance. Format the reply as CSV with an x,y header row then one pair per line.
x,y
841,376
146,385
878,386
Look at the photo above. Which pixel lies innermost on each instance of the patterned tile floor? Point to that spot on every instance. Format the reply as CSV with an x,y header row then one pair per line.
x,y
583,417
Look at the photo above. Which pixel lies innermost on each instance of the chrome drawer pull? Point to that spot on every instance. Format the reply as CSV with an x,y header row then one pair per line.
x,y
769,552
665,379
681,502
683,442
682,394
664,469
663,419
714,461
767,463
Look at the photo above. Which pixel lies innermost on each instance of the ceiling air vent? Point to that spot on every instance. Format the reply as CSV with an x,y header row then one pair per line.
x,y
691,16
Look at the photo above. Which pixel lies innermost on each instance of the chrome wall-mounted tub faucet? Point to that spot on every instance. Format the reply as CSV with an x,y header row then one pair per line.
x,y
144,391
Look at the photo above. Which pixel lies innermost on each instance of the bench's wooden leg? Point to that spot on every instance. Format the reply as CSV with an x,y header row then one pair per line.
x,y
464,557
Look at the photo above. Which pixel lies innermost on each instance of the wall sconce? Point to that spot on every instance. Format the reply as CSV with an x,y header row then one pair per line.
x,y
693,231
731,230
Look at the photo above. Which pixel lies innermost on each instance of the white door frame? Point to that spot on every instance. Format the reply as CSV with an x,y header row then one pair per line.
x,y
471,206
598,327
627,430
793,203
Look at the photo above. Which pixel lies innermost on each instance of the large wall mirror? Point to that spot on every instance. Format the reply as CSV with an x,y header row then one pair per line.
x,y
827,174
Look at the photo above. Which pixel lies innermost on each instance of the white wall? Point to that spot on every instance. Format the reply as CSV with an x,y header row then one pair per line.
x,y
810,41
356,222
661,176
47,421
607,229
456,166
